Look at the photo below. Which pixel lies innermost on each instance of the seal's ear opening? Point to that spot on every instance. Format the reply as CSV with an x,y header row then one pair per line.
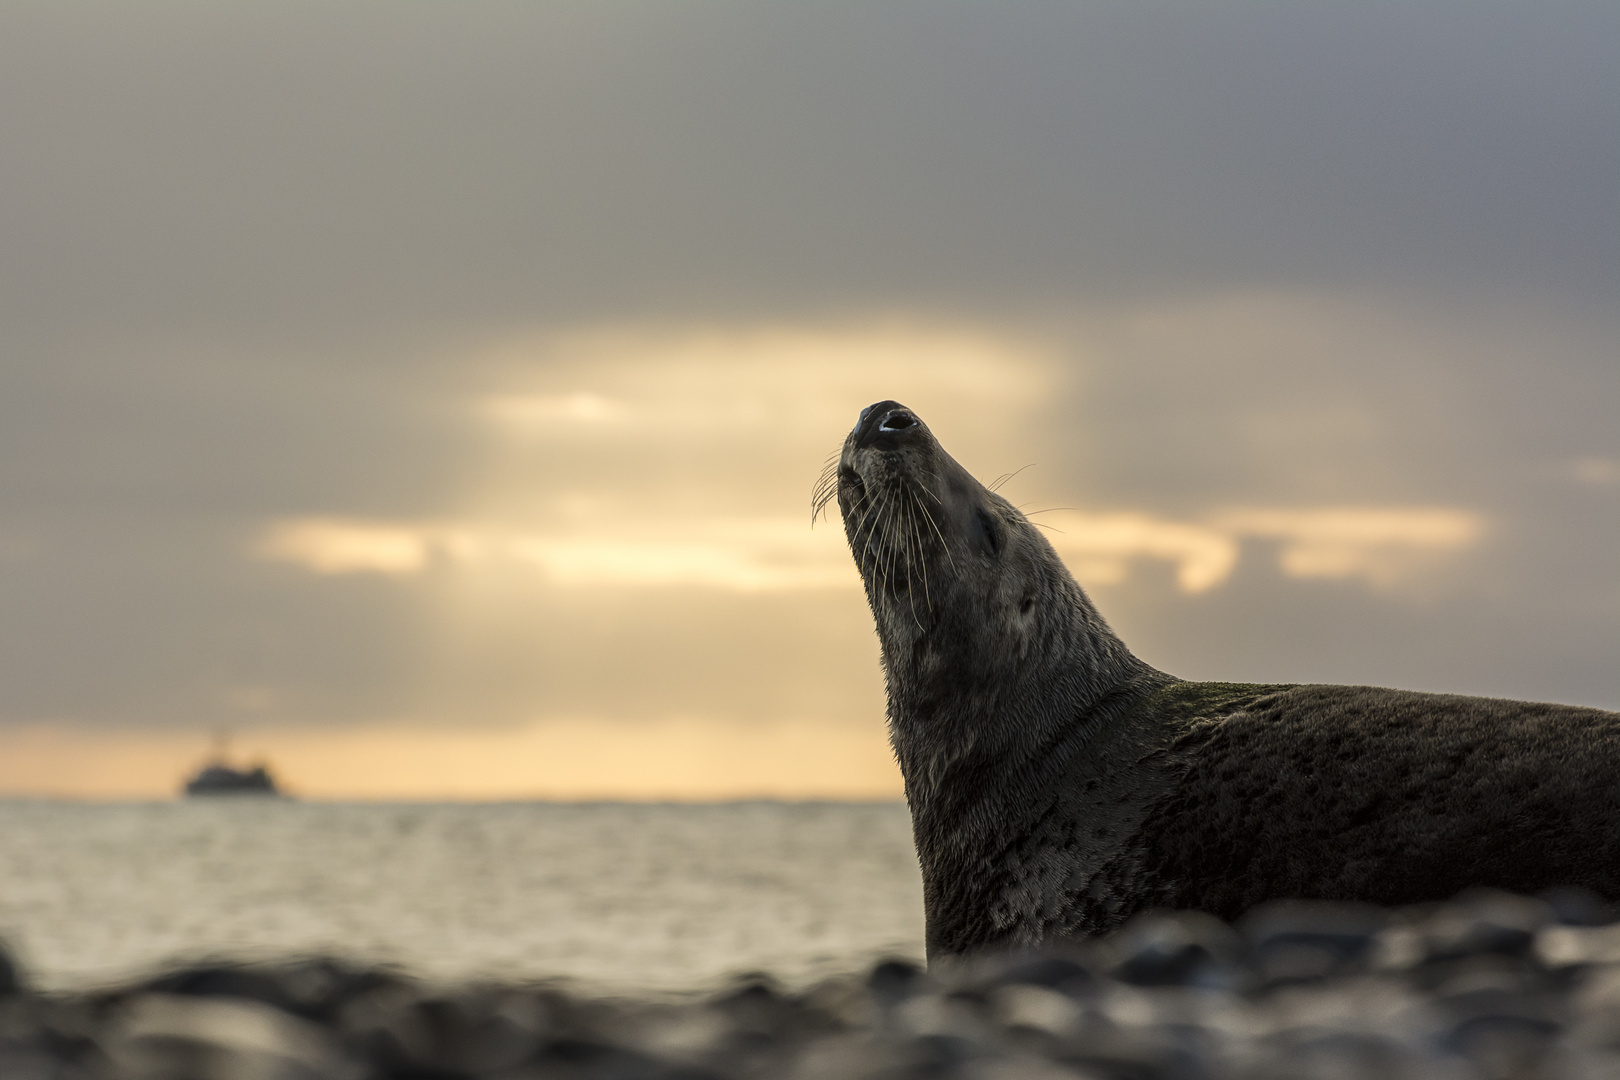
x,y
987,536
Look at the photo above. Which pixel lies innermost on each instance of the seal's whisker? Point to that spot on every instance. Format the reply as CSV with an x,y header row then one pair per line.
x,y
903,547
860,510
1004,477
922,561
911,597
893,542
876,519
928,594
869,521
826,488
894,546
857,507
889,552
943,545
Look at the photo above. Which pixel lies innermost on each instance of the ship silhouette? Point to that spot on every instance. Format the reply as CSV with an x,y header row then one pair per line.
x,y
218,776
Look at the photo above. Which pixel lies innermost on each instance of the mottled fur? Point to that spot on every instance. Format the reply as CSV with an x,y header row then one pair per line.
x,y
1058,784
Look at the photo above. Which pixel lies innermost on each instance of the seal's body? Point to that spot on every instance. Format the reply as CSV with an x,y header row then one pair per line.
x,y
1058,784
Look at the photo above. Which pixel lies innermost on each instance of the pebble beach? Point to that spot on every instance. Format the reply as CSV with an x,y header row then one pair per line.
x,y
1489,985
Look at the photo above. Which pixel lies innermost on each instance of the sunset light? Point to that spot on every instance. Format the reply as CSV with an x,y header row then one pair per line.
x,y
432,642
429,399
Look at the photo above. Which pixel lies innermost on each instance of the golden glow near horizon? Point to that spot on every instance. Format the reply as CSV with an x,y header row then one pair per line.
x,y
668,759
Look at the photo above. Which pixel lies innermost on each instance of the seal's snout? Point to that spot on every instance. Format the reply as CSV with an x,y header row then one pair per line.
x,y
881,424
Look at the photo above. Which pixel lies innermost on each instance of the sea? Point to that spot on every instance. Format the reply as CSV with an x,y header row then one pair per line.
x,y
605,898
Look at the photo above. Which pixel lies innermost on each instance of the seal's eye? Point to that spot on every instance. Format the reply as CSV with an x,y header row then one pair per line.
x,y
1027,606
897,421
987,533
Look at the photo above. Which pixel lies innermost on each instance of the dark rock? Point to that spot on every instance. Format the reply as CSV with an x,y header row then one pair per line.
x,y
1579,907
313,989
1065,974
893,980
1293,941
1485,921
1175,948
11,981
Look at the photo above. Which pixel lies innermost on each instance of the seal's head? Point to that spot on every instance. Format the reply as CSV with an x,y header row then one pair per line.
x,y
983,629
923,530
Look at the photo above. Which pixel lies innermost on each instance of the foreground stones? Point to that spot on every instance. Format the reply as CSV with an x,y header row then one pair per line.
x,y
1490,985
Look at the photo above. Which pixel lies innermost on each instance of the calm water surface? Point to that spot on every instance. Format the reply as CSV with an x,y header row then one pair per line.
x,y
610,896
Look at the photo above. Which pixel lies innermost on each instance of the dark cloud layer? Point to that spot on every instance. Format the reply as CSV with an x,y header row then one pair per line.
x,y
290,165
247,251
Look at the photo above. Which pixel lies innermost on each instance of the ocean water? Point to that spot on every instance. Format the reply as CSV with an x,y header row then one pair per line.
x,y
604,897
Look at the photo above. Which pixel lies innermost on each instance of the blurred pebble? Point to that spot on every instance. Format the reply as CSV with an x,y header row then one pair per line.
x,y
169,1037
1487,987
1294,942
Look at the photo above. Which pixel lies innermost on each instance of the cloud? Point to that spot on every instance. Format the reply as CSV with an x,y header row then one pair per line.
x,y
677,455
738,554
613,439
702,384
746,555
548,412
1596,471
338,546
614,158
1100,546
1382,546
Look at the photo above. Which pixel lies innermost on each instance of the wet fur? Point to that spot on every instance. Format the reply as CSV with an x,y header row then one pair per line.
x,y
1058,784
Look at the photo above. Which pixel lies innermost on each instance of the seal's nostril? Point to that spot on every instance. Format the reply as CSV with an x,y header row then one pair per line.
x,y
897,421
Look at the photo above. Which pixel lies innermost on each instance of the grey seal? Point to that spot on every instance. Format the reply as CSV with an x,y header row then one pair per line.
x,y
1058,784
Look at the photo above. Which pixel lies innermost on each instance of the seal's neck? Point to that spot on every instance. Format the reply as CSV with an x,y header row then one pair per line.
x,y
991,717
980,701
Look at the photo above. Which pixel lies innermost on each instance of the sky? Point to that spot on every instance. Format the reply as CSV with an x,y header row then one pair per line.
x,y
429,396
